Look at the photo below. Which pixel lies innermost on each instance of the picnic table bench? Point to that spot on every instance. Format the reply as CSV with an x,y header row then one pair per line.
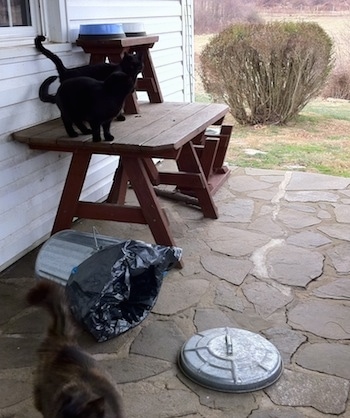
x,y
164,130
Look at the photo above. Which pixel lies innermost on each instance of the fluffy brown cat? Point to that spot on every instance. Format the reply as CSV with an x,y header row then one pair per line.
x,y
68,382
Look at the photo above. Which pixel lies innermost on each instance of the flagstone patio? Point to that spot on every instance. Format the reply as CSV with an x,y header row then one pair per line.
x,y
276,262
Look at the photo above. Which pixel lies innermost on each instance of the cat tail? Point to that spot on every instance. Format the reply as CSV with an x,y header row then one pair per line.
x,y
53,57
52,297
44,90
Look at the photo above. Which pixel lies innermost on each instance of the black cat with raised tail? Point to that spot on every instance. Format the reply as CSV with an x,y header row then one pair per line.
x,y
130,64
84,99
69,382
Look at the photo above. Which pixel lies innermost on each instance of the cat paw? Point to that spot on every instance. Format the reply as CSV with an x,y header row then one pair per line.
x,y
73,134
86,131
98,139
120,118
109,137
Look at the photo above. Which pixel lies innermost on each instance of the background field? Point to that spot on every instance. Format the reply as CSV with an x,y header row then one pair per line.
x,y
319,139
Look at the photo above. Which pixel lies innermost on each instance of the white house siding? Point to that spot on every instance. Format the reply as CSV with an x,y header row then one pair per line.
x,y
31,181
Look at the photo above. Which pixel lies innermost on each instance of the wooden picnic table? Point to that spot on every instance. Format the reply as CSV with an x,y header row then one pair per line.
x,y
166,130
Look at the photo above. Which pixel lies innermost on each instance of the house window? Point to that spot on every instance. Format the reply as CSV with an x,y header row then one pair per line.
x,y
20,21
15,13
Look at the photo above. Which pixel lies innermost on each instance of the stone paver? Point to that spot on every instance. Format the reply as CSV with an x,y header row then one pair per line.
x,y
328,319
336,289
267,298
286,340
341,232
311,389
339,255
276,262
291,219
320,357
311,196
293,265
312,182
233,241
308,239
232,270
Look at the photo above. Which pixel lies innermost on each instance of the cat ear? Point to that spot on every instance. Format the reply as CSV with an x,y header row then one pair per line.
x,y
140,55
75,406
69,404
95,408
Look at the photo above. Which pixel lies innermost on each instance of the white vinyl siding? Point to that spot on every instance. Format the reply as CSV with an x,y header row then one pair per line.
x,y
31,181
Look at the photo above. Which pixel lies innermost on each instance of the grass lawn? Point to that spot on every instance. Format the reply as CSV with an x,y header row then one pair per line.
x,y
317,141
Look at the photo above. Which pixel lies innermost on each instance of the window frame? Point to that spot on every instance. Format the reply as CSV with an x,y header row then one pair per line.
x,y
49,17
21,32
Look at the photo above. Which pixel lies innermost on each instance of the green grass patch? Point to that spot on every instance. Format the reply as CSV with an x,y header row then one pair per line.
x,y
339,110
202,98
323,158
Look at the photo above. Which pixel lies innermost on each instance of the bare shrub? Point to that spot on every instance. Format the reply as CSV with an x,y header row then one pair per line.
x,y
338,83
266,73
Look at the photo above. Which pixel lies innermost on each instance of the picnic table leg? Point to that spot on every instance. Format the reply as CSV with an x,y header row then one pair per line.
x,y
150,77
188,161
119,187
148,200
71,191
224,140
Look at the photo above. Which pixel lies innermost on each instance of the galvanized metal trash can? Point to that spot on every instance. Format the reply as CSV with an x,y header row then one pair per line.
x,y
111,284
66,250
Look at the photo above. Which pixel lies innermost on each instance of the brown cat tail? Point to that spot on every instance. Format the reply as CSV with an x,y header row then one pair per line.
x,y
50,55
52,297
44,95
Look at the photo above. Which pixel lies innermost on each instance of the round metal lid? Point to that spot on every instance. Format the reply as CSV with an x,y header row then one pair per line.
x,y
230,360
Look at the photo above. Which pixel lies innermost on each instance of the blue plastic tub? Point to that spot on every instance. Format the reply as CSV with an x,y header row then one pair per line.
x,y
101,30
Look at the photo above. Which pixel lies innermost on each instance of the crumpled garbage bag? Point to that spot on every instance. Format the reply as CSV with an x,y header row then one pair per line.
x,y
116,288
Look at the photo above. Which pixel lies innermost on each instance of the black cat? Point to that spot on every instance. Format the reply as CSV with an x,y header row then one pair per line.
x,y
84,99
130,64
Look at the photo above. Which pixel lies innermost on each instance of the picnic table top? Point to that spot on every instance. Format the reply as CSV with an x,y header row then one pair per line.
x,y
158,129
128,41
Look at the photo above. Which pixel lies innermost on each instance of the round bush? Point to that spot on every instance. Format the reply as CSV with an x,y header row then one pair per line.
x,y
266,73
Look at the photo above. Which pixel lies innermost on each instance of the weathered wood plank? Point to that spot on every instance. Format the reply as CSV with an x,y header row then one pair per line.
x,y
159,127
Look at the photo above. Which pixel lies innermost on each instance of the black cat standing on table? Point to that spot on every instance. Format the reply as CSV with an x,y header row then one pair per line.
x,y
91,93
230,360
84,99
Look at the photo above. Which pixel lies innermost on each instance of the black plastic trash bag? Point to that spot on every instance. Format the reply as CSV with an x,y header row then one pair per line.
x,y
116,288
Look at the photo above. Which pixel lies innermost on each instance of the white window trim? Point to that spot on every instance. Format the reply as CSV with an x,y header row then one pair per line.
x,y
20,32
49,17
187,50
55,20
